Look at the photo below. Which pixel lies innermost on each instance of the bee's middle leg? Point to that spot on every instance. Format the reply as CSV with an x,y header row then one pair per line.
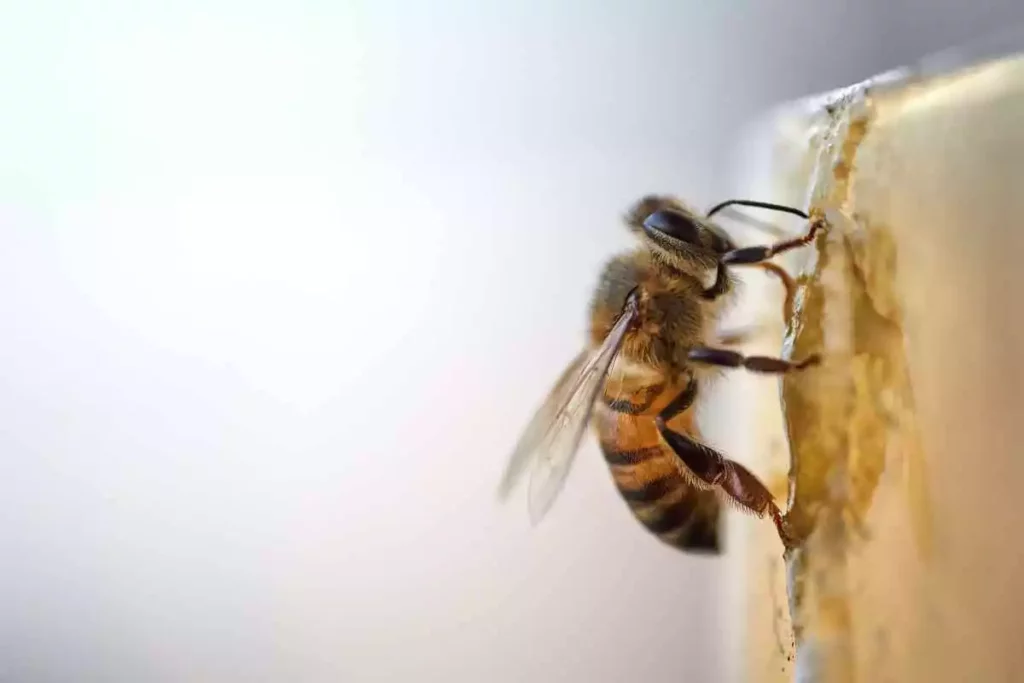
x,y
764,364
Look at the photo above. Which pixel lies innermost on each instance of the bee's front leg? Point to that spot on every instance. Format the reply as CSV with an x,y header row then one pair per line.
x,y
760,254
756,255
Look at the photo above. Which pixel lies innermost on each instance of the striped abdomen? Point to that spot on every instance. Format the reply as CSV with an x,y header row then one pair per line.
x,y
651,478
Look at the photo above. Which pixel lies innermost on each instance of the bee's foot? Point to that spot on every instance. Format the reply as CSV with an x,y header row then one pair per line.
x,y
786,535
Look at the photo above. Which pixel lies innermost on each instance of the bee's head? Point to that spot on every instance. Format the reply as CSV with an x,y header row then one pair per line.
x,y
677,235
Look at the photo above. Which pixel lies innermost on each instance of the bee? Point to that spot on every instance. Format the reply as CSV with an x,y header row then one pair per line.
x,y
654,345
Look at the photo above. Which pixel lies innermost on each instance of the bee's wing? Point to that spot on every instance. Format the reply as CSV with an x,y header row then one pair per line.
x,y
560,441
541,421
552,438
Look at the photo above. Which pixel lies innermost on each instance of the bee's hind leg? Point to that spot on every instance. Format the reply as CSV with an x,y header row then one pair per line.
x,y
714,470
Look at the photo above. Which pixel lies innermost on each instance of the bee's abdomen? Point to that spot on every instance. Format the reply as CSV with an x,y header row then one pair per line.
x,y
649,477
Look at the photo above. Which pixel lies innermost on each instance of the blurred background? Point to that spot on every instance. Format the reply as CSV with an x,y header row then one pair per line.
x,y
280,283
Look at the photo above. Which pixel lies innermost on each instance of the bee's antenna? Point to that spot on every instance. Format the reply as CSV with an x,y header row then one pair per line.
x,y
751,222
759,205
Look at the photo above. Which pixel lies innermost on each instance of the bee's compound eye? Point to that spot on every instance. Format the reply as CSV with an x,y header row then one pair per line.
x,y
674,224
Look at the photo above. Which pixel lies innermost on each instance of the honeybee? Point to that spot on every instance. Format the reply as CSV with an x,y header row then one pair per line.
x,y
653,346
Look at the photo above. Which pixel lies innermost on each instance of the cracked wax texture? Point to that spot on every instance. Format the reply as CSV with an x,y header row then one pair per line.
x,y
905,469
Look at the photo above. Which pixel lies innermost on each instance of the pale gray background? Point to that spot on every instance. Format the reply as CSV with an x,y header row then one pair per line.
x,y
280,282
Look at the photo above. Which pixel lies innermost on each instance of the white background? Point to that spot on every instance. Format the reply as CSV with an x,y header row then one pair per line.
x,y
279,285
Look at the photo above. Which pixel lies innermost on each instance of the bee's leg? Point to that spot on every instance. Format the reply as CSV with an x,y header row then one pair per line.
x,y
788,283
731,359
755,255
719,287
732,478
737,336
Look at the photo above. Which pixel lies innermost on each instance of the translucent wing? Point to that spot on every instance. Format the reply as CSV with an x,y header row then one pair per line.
x,y
539,424
551,440
560,441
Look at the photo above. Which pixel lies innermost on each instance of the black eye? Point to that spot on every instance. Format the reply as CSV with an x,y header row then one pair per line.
x,y
673,224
